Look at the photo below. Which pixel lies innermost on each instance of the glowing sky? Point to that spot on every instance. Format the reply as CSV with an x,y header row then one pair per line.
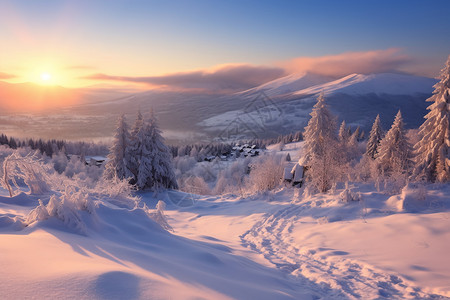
x,y
87,42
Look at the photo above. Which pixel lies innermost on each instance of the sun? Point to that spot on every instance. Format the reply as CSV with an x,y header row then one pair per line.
x,y
46,77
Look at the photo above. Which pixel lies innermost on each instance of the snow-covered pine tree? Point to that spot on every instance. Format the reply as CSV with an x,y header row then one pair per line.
x,y
343,133
319,151
357,134
132,155
362,135
320,130
144,156
162,168
432,151
375,137
155,170
395,152
116,165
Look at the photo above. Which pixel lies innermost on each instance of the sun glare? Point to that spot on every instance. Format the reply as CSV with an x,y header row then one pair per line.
x,y
46,76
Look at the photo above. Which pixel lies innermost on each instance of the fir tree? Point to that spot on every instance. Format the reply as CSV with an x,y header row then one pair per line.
x,y
132,154
321,130
117,162
162,169
375,137
395,152
432,151
319,151
343,133
151,156
357,134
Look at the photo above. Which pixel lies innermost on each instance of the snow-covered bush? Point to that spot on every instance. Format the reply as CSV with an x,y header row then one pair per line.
x,y
39,213
348,195
413,198
77,169
28,168
119,191
183,164
65,207
158,215
265,173
232,179
60,162
195,185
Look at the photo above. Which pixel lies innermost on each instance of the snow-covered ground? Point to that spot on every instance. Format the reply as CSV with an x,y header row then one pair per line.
x,y
276,245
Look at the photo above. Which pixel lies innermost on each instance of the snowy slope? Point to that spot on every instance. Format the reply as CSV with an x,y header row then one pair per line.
x,y
356,98
123,254
275,245
338,250
289,84
385,83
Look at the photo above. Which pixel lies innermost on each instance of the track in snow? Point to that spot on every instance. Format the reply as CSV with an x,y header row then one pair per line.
x,y
332,277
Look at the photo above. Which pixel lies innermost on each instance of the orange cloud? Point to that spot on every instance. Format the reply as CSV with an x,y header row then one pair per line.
x,y
223,78
29,97
6,76
376,61
238,77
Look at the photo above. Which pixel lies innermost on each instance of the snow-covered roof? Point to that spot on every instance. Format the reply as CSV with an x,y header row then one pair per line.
x,y
287,174
297,171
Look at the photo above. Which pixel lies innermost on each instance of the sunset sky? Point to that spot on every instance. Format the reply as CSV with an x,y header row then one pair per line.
x,y
192,43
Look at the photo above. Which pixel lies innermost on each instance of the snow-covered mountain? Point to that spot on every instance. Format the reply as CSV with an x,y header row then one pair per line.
x,y
356,98
289,84
276,107
385,83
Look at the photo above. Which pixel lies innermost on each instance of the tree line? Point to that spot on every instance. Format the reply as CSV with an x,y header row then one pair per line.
x,y
331,154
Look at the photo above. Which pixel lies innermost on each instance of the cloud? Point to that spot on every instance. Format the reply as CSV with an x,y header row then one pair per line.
x,y
238,77
376,61
6,76
80,67
223,78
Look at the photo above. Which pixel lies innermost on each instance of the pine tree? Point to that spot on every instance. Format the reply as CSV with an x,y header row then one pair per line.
x,y
162,168
151,156
320,147
395,152
321,129
362,135
343,133
375,137
132,154
432,151
117,162
356,134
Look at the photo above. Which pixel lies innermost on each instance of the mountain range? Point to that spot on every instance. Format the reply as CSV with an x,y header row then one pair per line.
x,y
276,107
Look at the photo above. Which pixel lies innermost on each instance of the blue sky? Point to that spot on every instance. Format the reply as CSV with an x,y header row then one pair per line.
x,y
153,38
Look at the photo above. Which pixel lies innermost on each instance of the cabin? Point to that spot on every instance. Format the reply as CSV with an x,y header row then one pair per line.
x,y
294,175
94,160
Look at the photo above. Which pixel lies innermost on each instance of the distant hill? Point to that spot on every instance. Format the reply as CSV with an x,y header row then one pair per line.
x,y
276,107
356,98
